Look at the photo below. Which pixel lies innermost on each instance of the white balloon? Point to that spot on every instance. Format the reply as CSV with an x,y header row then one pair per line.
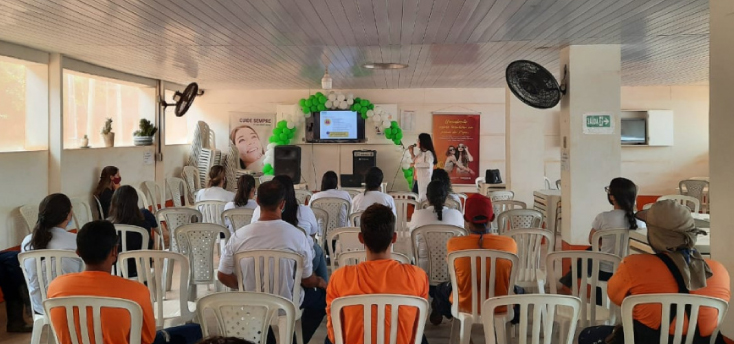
x,y
350,101
378,109
329,103
406,166
340,97
370,113
343,106
308,115
290,124
332,96
268,160
270,147
350,96
386,124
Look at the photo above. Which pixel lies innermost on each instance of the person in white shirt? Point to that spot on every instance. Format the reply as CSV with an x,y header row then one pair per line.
x,y
54,214
622,195
436,214
372,193
443,176
215,189
423,162
243,198
270,232
329,185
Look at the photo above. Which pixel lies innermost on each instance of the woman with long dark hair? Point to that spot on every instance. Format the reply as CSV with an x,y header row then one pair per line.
x,y
300,216
464,158
423,162
245,195
215,188
442,176
372,193
109,181
54,214
124,211
329,188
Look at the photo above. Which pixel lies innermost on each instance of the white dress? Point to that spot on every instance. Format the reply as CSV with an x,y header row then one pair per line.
x,y
423,163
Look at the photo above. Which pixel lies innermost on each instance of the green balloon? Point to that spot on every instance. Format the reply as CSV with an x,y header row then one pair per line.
x,y
364,102
306,109
371,106
357,100
322,99
321,107
282,124
394,124
283,136
314,108
388,132
273,139
302,102
319,94
307,103
399,136
356,107
363,110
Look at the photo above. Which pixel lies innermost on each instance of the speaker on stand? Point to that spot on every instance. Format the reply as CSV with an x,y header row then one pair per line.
x,y
287,161
362,161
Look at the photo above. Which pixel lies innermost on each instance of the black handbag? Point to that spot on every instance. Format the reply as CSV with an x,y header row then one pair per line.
x,y
493,177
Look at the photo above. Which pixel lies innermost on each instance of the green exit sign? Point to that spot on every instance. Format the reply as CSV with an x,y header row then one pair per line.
x,y
599,121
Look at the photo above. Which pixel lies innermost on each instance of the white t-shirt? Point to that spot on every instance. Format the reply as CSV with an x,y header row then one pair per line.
x,y
427,216
214,193
343,216
60,240
612,219
269,235
365,199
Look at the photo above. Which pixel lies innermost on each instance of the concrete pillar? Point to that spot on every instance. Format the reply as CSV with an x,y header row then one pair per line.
x,y
525,147
590,156
55,121
721,126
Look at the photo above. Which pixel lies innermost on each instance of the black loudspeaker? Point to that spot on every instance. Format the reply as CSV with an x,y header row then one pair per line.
x,y
363,160
288,162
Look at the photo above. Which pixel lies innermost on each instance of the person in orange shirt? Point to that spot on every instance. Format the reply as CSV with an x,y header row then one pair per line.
x,y
97,246
478,216
379,274
676,268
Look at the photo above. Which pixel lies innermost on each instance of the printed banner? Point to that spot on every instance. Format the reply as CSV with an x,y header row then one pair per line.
x,y
456,139
249,132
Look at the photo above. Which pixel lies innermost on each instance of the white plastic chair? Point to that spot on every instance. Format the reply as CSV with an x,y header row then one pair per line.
x,y
692,203
558,184
544,307
450,204
352,191
153,193
247,315
96,304
354,218
82,212
335,207
435,238
143,202
151,266
499,207
402,206
347,240
530,253
267,265
619,236
179,192
356,257
501,195
174,218
100,212
29,212
211,211
478,183
462,197
483,288
698,189
237,218
47,264
547,183
381,302
190,175
404,195
322,219
667,301
265,178
303,196
519,219
122,231
197,242
586,290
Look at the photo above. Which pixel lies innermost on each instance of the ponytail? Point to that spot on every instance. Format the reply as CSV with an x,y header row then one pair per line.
x,y
53,211
629,214
624,192
437,193
217,175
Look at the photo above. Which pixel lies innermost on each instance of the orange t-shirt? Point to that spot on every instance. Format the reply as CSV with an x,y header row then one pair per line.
x,y
115,322
376,277
463,267
641,274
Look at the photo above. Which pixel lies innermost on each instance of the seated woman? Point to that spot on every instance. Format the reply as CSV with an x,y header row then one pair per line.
x,y
372,193
54,213
244,198
329,185
442,176
302,217
124,211
109,181
436,214
215,188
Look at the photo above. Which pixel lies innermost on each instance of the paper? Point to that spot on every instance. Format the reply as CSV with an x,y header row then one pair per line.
x,y
407,120
148,158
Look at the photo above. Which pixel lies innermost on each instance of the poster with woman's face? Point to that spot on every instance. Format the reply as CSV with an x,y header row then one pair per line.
x,y
249,132
456,139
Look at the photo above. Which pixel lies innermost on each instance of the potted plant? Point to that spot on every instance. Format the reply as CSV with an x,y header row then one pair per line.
x,y
107,134
144,136
85,142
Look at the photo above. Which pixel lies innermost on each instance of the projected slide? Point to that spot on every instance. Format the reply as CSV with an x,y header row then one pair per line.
x,y
338,125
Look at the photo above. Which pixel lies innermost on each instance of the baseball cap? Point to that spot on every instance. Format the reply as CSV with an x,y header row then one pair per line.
x,y
478,209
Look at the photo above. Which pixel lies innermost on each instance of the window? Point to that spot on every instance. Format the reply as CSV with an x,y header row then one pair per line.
x,y
89,100
177,128
23,105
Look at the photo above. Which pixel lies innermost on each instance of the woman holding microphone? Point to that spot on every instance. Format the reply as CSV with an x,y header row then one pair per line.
x,y
423,161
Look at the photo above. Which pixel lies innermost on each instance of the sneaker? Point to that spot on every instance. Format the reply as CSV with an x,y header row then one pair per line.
x,y
435,317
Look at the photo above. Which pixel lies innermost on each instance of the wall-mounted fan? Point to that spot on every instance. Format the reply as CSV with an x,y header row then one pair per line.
x,y
183,100
534,85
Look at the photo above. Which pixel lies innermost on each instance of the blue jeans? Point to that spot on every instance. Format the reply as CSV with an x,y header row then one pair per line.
x,y
319,262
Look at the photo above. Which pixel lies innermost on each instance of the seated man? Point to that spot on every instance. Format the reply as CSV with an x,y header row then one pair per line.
x,y
97,245
272,233
478,216
378,275
676,268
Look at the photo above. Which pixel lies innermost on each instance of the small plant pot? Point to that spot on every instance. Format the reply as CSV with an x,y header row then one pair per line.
x,y
109,139
143,140
85,143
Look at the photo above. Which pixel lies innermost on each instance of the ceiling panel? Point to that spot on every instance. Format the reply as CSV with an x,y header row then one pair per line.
x,y
288,43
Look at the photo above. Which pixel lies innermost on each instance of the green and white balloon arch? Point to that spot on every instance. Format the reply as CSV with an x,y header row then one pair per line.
x,y
285,129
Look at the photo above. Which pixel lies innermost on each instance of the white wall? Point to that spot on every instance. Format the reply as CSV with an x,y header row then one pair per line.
x,y
656,170
216,104
24,181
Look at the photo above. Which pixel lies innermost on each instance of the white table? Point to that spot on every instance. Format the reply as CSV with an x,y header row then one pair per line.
x,y
638,238
546,201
